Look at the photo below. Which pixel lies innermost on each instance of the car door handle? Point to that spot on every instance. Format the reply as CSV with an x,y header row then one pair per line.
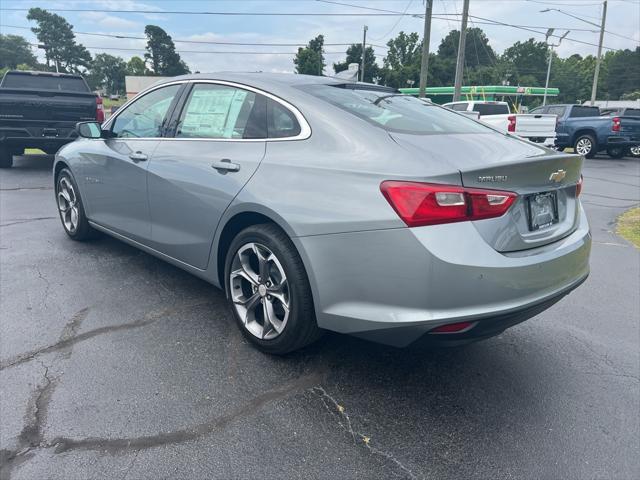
x,y
138,156
225,165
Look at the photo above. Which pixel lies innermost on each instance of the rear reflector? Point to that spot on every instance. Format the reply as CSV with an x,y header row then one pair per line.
x,y
579,186
99,110
452,327
420,204
511,126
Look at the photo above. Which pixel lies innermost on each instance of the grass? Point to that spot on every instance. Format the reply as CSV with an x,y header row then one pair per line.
x,y
108,103
629,226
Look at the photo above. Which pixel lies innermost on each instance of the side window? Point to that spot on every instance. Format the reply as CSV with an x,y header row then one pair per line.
x,y
145,117
220,111
281,122
459,107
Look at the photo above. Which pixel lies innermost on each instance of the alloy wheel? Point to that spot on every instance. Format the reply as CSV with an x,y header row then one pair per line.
x,y
260,291
584,146
68,204
635,150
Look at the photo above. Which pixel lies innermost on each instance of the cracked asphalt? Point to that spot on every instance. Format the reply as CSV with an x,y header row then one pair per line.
x,y
114,364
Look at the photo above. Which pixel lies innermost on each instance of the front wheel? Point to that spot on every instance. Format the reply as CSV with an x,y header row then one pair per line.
x,y
635,151
616,152
585,145
267,285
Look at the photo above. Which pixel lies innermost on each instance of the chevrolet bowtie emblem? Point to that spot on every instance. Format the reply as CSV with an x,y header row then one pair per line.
x,y
557,176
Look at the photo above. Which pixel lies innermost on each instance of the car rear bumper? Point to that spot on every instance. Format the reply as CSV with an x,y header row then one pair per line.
x,y
395,285
620,141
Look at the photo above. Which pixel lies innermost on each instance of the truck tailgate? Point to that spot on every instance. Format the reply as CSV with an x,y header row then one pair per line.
x,y
22,105
535,125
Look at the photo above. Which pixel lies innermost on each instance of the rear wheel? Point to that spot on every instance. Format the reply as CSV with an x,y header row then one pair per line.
x,y
585,145
616,152
635,151
70,207
267,285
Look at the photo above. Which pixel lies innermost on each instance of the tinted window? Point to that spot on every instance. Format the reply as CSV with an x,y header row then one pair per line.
x,y
459,107
44,82
539,110
579,111
395,112
281,122
216,111
632,112
145,117
491,108
559,111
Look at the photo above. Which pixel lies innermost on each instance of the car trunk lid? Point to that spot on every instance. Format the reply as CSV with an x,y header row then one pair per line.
x,y
542,179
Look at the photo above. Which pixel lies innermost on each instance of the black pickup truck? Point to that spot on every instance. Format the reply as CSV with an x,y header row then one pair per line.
x,y
41,109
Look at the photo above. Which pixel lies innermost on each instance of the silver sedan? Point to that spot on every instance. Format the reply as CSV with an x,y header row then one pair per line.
x,y
323,205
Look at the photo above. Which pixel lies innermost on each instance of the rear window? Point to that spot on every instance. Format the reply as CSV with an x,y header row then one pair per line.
x,y
632,112
584,112
491,108
396,112
458,107
44,82
559,111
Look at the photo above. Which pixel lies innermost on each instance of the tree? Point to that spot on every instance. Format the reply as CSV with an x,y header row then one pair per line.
x,y
15,50
310,59
622,73
136,67
480,59
108,71
402,62
528,61
354,55
161,52
56,34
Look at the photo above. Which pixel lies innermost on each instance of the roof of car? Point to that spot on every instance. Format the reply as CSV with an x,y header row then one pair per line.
x,y
271,81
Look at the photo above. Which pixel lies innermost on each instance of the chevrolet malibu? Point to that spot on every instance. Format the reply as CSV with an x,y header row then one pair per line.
x,y
322,205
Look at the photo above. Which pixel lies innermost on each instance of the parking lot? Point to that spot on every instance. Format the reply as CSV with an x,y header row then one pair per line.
x,y
114,364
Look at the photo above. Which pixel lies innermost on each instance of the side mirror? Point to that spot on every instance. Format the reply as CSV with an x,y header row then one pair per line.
x,y
89,129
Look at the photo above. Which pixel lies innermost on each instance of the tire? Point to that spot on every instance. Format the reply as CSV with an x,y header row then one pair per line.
x,y
585,145
252,296
616,152
6,157
635,151
70,206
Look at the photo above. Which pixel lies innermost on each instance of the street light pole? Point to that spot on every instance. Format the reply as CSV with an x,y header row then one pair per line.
x,y
364,49
457,88
424,64
594,88
550,46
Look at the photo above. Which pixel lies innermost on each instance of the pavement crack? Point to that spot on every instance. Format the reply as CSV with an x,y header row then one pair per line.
x,y
45,295
336,409
66,342
25,220
117,445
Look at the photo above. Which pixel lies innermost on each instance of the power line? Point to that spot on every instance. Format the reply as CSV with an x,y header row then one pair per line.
x,y
202,42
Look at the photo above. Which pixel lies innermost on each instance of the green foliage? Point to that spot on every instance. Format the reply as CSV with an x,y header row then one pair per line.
x,y
137,67
354,55
15,50
401,66
107,71
527,62
310,59
56,34
161,52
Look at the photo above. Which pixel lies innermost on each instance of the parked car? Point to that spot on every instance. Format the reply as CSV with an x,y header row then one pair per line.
x,y
316,205
624,112
41,109
583,129
537,128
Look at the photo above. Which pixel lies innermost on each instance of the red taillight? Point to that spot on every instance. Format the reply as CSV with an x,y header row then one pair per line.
x,y
511,126
615,126
99,110
579,187
452,327
420,204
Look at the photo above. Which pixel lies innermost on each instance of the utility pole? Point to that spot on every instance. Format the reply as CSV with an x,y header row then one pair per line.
x,y
594,88
424,64
364,49
461,45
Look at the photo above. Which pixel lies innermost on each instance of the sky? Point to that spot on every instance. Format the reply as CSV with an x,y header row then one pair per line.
x,y
623,20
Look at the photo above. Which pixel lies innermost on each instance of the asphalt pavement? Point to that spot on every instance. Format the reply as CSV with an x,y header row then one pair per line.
x,y
114,364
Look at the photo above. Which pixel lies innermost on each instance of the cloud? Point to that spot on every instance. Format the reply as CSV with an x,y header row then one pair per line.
x,y
108,22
